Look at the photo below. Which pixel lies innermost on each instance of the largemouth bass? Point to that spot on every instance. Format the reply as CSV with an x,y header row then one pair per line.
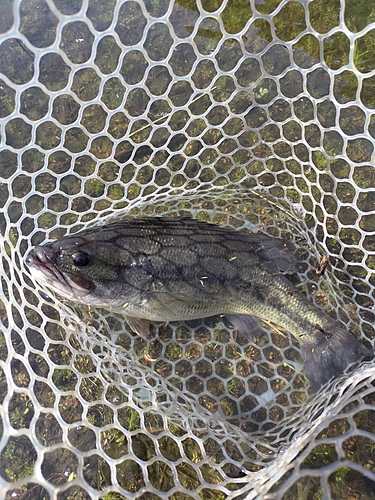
x,y
160,269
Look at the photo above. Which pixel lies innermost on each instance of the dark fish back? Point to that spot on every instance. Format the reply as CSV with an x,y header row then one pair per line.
x,y
194,238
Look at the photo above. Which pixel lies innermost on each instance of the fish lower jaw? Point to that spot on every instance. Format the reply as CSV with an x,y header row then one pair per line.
x,y
66,290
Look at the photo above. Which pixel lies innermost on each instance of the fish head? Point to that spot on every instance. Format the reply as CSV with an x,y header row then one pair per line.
x,y
81,269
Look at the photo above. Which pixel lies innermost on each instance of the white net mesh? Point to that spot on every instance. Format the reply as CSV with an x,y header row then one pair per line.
x,y
254,115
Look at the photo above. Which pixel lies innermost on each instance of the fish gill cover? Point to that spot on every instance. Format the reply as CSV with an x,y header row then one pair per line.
x,y
252,115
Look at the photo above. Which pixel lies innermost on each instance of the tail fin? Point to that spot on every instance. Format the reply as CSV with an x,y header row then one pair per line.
x,y
331,354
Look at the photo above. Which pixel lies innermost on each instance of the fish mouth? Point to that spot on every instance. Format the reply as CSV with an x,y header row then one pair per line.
x,y
44,269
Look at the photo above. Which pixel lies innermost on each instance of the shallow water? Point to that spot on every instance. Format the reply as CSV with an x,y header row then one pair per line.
x,y
255,116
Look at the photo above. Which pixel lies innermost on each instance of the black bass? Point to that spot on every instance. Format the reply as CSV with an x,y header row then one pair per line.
x,y
160,269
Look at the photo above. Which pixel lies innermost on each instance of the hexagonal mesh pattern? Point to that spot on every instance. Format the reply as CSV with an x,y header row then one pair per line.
x,y
252,115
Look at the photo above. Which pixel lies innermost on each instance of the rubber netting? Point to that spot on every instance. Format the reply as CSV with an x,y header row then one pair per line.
x,y
254,115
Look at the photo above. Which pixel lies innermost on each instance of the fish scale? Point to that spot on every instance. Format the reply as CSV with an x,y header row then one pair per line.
x,y
161,269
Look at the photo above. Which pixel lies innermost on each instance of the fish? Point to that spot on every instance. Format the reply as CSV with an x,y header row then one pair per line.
x,y
160,269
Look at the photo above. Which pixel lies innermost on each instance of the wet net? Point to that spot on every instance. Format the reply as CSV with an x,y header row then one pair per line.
x,y
254,115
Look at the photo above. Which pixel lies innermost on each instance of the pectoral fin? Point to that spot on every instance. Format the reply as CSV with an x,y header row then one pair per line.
x,y
139,326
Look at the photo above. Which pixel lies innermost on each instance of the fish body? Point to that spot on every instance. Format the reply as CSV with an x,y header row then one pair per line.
x,y
161,269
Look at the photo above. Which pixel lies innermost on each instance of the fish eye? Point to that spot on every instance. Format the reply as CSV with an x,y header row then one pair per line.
x,y
80,259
